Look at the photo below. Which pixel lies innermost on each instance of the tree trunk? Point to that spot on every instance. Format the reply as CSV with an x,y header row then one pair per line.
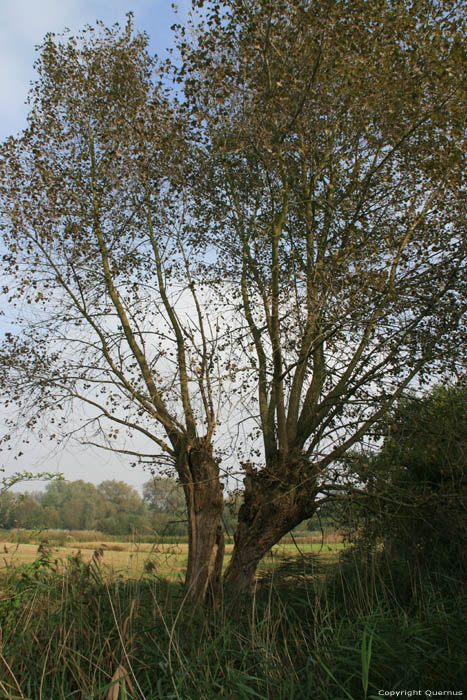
x,y
203,492
271,508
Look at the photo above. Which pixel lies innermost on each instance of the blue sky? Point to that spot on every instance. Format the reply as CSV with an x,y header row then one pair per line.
x,y
23,25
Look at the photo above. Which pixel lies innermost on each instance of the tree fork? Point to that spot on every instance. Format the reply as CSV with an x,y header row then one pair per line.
x,y
271,508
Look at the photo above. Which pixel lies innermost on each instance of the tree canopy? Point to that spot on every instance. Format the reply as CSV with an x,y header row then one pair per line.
x,y
274,248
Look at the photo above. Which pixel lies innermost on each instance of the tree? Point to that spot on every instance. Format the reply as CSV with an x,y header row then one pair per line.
x,y
75,505
333,187
123,497
22,510
122,508
97,244
164,495
7,506
166,504
26,512
282,246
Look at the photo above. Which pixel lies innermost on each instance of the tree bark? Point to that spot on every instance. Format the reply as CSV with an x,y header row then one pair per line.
x,y
271,508
203,492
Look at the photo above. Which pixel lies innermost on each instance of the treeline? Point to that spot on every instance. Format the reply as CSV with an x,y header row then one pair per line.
x,y
113,507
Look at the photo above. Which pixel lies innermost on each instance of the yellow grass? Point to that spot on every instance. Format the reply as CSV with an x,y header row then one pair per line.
x,y
130,559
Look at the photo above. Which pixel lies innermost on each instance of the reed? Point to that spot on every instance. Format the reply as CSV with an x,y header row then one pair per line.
x,y
309,631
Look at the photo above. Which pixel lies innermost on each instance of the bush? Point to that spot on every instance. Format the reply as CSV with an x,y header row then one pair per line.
x,y
413,511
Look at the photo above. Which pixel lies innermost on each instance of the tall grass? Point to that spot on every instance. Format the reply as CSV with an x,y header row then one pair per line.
x,y
74,633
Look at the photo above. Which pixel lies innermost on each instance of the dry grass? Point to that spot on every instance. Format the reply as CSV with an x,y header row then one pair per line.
x,y
131,559
125,559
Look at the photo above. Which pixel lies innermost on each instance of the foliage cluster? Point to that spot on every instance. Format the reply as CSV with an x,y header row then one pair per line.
x,y
414,504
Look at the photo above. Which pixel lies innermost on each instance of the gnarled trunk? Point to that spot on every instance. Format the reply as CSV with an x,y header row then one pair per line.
x,y
203,492
270,509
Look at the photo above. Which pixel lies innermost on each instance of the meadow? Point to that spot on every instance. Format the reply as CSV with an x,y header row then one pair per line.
x,y
81,620
133,558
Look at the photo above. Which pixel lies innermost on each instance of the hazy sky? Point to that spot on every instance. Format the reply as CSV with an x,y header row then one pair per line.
x,y
23,24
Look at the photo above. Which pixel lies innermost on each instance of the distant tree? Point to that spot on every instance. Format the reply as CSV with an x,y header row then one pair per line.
x,y
7,503
27,512
123,497
167,507
121,511
164,495
75,505
51,518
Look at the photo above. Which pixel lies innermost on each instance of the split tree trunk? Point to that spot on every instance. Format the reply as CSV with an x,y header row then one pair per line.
x,y
203,492
269,511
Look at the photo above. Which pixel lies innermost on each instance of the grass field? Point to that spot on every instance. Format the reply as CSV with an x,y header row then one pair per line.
x,y
132,559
